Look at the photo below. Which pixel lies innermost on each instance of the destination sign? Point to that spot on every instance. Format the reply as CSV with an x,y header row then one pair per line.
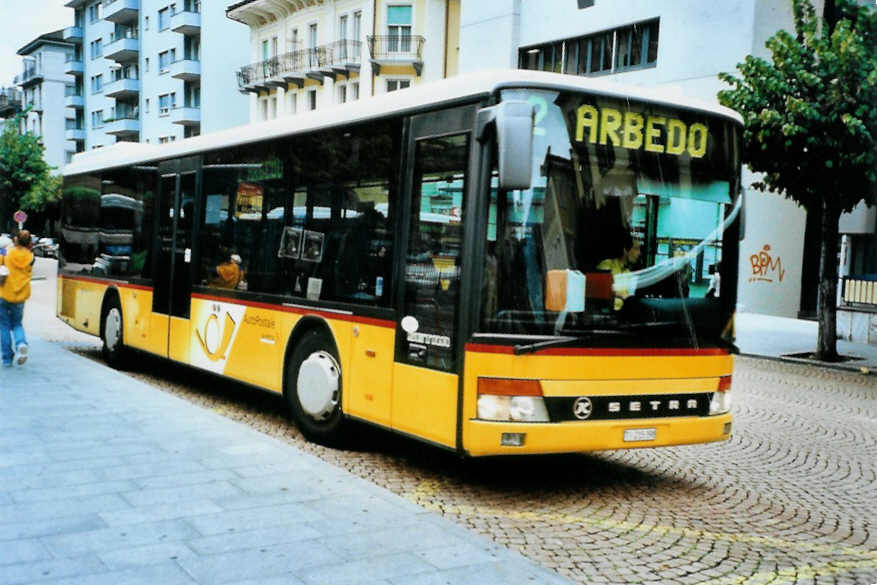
x,y
635,131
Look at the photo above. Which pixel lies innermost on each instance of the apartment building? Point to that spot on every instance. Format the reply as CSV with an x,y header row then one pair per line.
x,y
310,54
45,87
146,67
10,102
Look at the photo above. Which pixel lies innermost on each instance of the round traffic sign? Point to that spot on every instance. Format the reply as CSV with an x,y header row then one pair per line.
x,y
19,216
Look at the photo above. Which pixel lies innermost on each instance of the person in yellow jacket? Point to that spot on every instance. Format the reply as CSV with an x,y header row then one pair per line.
x,y
228,274
16,268
630,251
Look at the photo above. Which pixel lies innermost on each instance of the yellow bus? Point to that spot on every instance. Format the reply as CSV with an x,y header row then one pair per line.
x,y
507,262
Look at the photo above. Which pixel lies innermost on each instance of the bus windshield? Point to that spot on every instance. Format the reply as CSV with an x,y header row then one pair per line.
x,y
638,197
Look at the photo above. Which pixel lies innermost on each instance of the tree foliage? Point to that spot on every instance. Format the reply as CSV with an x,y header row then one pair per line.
x,y
44,193
810,118
21,163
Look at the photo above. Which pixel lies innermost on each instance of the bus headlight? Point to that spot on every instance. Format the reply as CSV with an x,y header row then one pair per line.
x,y
505,399
721,400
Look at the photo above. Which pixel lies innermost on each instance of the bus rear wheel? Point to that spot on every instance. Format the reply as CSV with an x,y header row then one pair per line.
x,y
313,389
112,335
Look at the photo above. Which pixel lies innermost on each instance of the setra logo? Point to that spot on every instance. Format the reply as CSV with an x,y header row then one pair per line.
x,y
214,338
582,407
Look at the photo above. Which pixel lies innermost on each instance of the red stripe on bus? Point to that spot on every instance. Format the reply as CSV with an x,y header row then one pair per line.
x,y
107,282
300,311
599,351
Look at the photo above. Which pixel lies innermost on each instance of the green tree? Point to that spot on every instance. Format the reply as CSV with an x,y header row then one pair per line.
x,y
21,166
810,118
45,192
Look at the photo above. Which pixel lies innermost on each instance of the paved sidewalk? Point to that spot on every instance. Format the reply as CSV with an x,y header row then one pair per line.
x,y
104,480
782,338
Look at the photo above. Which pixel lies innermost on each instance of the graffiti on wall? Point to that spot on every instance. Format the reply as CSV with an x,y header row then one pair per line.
x,y
765,267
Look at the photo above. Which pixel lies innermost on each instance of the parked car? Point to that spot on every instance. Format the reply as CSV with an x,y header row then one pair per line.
x,y
46,248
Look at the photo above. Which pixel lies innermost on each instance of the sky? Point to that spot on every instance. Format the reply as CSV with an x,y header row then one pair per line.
x,y
21,21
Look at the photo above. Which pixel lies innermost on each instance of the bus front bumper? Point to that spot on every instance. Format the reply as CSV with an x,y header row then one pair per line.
x,y
502,438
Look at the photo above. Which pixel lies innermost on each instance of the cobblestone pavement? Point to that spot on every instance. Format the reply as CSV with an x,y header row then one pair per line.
x,y
790,499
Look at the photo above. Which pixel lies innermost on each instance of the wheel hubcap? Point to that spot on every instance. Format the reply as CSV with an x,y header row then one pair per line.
x,y
317,385
113,329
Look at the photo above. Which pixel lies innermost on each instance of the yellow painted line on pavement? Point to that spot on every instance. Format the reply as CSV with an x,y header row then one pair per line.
x,y
791,575
429,487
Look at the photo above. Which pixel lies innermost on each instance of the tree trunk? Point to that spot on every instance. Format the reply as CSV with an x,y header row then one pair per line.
x,y
826,347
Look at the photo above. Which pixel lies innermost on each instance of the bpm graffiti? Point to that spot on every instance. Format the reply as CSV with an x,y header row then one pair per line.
x,y
765,267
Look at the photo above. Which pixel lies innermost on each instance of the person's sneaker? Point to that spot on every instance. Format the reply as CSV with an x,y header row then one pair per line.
x,y
20,355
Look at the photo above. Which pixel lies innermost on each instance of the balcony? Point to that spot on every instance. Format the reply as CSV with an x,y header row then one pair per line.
x,y
345,56
73,34
125,87
10,102
186,116
186,69
122,49
396,50
121,11
290,68
186,22
74,99
74,66
30,76
74,133
123,126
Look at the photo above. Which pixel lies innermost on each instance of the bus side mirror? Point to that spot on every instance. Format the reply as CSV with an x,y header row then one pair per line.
x,y
513,122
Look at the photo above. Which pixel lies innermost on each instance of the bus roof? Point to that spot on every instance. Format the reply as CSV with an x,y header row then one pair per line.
x,y
419,97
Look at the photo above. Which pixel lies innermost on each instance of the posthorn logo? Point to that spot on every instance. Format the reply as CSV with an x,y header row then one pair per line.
x,y
582,407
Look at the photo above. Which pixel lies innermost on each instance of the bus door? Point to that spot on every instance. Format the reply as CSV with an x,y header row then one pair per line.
x,y
176,256
425,380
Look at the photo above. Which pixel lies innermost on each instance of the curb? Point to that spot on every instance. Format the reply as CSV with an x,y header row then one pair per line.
x,y
863,370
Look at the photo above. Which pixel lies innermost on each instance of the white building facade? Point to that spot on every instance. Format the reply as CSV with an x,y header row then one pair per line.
x,y
146,66
44,89
681,45
313,54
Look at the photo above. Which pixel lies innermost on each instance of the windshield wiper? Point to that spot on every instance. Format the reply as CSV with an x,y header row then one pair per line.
x,y
561,341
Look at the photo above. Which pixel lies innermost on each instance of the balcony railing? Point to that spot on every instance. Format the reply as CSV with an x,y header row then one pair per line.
x,y
122,48
186,69
186,22
121,10
30,75
396,50
293,67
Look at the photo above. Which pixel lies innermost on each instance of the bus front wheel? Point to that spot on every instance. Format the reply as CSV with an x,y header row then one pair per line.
x,y
111,334
313,389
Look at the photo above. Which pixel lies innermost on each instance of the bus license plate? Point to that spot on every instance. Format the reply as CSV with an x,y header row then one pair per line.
x,y
631,435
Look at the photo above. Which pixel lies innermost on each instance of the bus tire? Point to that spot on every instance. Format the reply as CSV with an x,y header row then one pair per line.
x,y
111,334
313,389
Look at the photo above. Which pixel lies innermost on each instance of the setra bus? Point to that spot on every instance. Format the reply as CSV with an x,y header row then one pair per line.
x,y
502,263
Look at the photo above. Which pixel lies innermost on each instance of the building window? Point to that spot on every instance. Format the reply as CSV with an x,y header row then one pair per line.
x,y
272,107
164,18
342,28
166,102
292,103
145,23
312,99
293,39
357,25
312,36
97,119
265,109
585,4
354,91
399,28
97,83
96,49
165,58
396,84
94,12
342,94
146,64
613,51
146,105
